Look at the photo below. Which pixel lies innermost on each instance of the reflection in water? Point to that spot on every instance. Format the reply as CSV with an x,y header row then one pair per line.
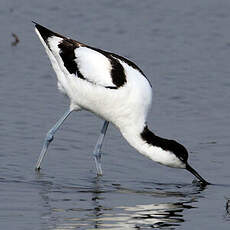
x,y
148,216
139,216
71,207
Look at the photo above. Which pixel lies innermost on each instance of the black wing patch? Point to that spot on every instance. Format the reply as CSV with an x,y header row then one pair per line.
x,y
68,57
117,72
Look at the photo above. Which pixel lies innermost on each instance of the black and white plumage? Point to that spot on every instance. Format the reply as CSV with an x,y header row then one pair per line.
x,y
113,88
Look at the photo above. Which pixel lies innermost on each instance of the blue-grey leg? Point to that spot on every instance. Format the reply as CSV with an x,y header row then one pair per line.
x,y
97,149
49,137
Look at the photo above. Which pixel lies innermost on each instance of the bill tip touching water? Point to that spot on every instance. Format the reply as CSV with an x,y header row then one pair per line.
x,y
115,89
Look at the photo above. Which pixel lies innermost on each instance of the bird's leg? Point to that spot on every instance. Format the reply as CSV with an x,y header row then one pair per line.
x,y
97,149
49,137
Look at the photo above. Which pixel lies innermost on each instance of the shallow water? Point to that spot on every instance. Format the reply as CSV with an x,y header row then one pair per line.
x,y
184,49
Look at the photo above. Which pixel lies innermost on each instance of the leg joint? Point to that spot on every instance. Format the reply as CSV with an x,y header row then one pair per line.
x,y
49,137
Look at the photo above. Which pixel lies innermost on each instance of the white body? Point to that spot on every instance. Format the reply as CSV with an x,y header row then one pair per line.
x,y
126,107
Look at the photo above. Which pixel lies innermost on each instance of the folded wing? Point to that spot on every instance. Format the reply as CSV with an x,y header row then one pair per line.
x,y
75,59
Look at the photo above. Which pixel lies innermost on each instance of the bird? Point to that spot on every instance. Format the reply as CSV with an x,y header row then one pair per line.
x,y
113,88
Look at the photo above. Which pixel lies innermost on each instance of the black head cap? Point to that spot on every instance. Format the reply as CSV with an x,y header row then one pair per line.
x,y
168,145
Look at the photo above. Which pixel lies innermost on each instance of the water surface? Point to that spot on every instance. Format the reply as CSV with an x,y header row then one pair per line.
x,y
184,49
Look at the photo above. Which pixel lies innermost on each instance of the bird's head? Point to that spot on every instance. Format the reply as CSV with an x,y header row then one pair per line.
x,y
168,152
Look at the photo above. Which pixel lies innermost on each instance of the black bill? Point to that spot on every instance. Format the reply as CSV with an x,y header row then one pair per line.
x,y
196,174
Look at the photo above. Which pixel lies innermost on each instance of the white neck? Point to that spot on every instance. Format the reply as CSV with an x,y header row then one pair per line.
x,y
133,135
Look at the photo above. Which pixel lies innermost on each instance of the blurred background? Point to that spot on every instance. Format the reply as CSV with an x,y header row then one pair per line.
x,y
183,47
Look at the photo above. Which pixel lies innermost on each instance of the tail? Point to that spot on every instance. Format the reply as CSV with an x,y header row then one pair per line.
x,y
60,50
46,33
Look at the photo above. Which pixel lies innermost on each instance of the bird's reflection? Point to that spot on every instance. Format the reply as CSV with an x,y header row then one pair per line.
x,y
146,215
98,211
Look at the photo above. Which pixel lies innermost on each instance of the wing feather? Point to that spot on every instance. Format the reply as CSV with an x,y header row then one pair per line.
x,y
88,63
